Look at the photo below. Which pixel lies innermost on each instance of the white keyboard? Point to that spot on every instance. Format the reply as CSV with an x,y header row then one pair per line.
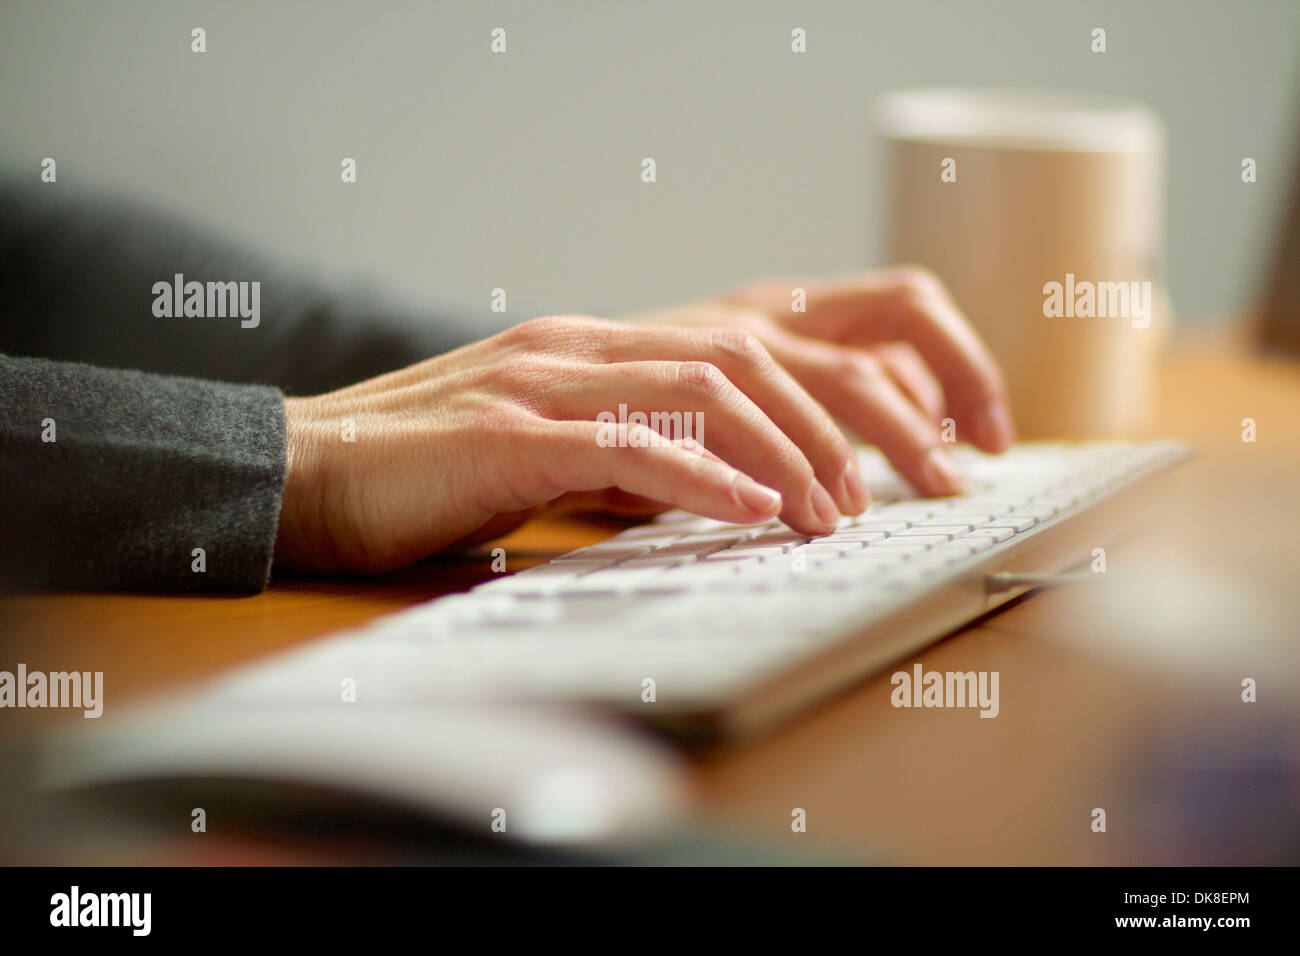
x,y
728,619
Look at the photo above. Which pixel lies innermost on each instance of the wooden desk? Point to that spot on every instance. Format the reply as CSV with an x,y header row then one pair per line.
x,y
1146,722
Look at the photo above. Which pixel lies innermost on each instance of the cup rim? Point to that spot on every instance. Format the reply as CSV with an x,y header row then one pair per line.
x,y
1017,118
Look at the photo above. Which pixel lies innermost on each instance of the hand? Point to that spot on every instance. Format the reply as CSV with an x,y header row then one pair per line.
x,y
470,443
887,353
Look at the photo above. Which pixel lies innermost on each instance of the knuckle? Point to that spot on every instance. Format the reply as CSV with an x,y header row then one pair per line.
x,y
916,283
525,333
739,344
549,329
852,365
704,378
510,424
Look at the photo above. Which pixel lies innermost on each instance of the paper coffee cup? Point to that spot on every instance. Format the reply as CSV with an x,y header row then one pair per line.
x,y
1042,213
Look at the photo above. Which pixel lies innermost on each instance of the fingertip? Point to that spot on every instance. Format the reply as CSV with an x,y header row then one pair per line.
x,y
824,507
760,500
855,489
940,475
997,433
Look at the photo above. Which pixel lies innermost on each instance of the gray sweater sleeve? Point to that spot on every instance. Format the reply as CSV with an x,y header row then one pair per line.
x,y
114,479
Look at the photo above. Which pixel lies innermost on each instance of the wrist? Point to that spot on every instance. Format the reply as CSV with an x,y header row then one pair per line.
x,y
298,539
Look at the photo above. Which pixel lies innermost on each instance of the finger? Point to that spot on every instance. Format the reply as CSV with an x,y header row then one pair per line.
x,y
619,502
616,501
913,377
699,394
854,386
745,362
579,456
910,305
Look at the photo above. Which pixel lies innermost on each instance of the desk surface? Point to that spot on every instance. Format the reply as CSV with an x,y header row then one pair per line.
x,y
1146,722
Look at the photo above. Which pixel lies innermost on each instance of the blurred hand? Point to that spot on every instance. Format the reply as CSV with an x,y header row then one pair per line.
x,y
887,353
469,444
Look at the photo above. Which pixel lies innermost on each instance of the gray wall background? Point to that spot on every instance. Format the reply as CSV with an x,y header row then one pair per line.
x,y
522,170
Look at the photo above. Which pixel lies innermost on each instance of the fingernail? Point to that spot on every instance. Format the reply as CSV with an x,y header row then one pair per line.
x,y
823,505
756,497
941,475
996,427
855,488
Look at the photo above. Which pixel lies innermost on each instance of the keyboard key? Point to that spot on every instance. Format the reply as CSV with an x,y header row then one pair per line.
x,y
903,540
951,528
1016,522
972,544
655,560
863,536
874,556
884,527
906,511
611,552
1037,511
662,534
1058,502
779,539
824,546
958,517
934,533
986,506
688,549
725,539
538,584
755,551
561,568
